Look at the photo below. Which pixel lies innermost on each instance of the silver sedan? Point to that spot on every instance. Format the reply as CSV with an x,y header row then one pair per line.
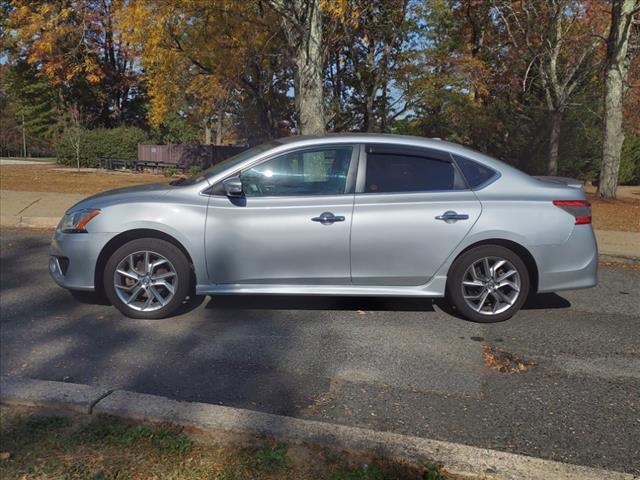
x,y
366,215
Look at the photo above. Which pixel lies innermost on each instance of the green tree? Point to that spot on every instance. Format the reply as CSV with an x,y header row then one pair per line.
x,y
34,105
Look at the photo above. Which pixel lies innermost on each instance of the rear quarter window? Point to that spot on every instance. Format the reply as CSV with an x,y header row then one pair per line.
x,y
475,173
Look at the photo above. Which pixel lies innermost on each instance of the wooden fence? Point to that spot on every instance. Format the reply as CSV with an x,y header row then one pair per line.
x,y
185,155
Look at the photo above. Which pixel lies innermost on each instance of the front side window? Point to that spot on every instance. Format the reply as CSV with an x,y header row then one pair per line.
x,y
397,173
320,171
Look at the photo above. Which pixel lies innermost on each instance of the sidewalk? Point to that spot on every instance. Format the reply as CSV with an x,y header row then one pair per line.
x,y
34,209
618,244
44,210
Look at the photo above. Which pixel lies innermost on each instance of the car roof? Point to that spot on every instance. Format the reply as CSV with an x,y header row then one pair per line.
x,y
394,139
357,136
389,138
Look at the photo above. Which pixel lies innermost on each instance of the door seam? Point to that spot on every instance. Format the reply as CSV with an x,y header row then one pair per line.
x,y
353,208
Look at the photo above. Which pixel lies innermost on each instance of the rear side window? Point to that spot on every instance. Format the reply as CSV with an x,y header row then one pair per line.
x,y
396,173
475,173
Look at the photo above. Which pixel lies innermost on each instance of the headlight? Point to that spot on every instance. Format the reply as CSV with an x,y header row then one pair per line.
x,y
75,222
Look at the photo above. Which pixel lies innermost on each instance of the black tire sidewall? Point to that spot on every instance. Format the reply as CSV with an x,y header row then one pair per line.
x,y
167,250
460,265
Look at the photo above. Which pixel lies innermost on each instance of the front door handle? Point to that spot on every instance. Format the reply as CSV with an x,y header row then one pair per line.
x,y
450,216
327,218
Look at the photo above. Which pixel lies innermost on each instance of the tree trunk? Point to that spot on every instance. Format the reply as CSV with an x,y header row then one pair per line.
x,y
207,133
24,138
369,120
78,149
616,69
613,135
309,63
554,142
302,23
219,126
371,85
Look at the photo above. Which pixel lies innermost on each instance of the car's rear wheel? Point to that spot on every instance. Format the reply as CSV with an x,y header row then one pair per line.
x,y
147,278
489,283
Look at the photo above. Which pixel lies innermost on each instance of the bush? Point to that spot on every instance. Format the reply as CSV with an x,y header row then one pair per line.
x,y
194,170
170,171
121,142
630,160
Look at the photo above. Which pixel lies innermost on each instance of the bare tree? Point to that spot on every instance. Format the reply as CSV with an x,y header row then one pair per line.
x,y
616,70
302,24
558,48
75,136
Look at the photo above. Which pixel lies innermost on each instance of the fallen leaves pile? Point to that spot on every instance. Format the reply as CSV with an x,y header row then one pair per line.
x,y
502,361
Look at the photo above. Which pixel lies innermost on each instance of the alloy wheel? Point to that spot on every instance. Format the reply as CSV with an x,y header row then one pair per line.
x,y
491,285
145,281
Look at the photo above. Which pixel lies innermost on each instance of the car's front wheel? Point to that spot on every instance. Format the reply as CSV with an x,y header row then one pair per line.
x,y
147,278
488,283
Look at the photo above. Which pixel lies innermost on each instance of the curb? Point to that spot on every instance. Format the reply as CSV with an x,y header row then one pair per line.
x,y
458,459
42,393
30,222
625,259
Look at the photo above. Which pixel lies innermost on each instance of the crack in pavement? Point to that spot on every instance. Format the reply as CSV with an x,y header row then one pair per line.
x,y
30,205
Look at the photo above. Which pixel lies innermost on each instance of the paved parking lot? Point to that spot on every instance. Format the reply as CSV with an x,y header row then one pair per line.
x,y
397,365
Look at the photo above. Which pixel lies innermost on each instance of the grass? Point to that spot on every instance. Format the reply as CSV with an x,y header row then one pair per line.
x,y
103,448
267,458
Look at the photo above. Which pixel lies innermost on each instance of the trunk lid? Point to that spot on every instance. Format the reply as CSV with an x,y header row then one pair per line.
x,y
564,181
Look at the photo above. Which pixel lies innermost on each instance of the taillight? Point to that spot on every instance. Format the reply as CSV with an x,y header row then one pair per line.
x,y
580,209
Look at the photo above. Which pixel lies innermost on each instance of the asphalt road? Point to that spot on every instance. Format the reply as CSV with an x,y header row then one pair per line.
x,y
397,365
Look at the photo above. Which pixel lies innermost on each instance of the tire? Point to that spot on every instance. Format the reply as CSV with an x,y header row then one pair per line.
x,y
157,290
506,292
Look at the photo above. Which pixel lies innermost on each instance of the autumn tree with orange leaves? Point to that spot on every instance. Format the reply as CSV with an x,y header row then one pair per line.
x,y
78,47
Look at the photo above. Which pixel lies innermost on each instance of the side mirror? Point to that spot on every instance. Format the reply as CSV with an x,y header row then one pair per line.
x,y
232,186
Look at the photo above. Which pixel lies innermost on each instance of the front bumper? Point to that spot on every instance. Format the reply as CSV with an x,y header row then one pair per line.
x,y
73,259
569,266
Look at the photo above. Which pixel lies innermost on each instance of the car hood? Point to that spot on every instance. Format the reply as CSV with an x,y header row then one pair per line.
x,y
126,194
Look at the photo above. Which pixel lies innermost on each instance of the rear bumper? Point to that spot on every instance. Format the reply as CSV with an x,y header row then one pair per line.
x,y
73,259
569,266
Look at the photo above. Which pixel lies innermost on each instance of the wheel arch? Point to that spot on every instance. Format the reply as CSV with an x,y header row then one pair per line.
x,y
134,234
516,248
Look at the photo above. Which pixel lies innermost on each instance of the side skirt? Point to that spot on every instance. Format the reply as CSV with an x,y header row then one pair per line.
x,y
435,288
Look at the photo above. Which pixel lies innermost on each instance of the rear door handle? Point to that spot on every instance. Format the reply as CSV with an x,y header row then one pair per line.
x,y
327,218
450,216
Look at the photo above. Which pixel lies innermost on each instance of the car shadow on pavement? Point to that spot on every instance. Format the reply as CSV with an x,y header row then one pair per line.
x,y
99,298
536,301
541,301
307,302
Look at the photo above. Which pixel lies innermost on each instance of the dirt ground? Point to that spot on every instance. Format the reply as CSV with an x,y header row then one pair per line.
x,y
53,178
622,214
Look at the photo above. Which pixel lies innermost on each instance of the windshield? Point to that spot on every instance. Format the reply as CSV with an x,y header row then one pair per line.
x,y
228,163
